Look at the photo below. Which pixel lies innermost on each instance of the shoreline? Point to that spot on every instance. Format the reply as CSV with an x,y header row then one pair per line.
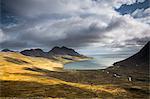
x,y
79,60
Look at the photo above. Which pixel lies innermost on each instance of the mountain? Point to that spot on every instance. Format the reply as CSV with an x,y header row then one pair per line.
x,y
34,52
62,54
6,50
55,51
63,51
140,60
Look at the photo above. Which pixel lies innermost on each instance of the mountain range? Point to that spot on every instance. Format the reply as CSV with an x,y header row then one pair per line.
x,y
62,54
53,52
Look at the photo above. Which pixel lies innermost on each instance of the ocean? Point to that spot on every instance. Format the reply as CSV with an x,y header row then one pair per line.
x,y
99,61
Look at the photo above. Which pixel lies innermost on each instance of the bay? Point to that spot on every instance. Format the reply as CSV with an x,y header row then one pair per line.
x,y
99,61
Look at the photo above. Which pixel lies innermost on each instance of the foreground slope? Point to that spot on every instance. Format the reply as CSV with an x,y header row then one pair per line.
x,y
24,76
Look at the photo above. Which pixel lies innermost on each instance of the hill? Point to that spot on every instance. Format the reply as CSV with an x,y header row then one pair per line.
x,y
17,60
139,60
135,67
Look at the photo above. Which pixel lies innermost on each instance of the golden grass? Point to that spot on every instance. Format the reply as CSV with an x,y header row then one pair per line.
x,y
28,62
8,70
13,65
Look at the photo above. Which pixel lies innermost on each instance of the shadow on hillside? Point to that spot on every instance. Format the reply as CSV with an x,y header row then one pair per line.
x,y
35,69
33,89
16,61
93,77
86,77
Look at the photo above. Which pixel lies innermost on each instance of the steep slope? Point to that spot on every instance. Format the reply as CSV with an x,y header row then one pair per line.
x,y
140,59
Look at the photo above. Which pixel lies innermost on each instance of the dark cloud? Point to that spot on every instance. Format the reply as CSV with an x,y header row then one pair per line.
x,y
75,37
137,41
13,44
83,36
73,23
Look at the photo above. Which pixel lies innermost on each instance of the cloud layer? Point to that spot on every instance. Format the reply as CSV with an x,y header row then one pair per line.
x,y
73,23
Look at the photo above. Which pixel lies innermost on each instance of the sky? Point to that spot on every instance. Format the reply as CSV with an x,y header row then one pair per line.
x,y
89,26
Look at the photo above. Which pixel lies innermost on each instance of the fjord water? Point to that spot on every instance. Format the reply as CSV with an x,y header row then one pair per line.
x,y
99,61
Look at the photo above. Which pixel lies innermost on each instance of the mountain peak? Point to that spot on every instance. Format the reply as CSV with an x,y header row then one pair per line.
x,y
60,48
55,51
37,49
64,47
33,52
63,51
55,47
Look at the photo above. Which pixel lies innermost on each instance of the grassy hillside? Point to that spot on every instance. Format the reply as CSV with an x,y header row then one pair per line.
x,y
13,64
23,76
